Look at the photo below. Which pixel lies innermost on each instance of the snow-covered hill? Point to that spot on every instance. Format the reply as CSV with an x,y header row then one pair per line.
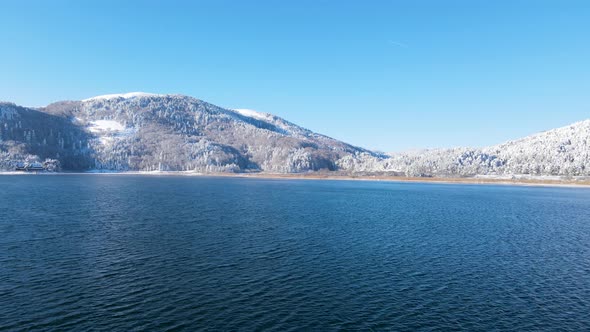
x,y
145,132
559,152
29,135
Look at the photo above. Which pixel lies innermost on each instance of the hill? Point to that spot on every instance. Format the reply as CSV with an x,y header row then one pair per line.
x,y
147,132
150,132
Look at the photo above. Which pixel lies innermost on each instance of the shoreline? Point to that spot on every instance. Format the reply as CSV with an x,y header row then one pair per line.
x,y
515,181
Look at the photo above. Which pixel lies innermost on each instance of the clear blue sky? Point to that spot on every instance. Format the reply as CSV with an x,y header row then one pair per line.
x,y
389,75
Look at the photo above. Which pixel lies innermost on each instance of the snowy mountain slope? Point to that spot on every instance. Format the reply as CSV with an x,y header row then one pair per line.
x,y
142,131
559,152
145,132
28,135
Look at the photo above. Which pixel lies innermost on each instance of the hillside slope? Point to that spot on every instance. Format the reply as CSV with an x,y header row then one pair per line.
x,y
149,132
28,135
146,132
559,152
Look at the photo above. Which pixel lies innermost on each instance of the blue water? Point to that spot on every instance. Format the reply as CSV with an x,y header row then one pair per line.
x,y
125,253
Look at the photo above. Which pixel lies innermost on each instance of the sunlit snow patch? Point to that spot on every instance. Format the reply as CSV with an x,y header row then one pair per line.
x,y
99,126
107,130
253,114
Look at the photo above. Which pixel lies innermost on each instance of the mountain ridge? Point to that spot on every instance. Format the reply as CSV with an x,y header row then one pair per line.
x,y
180,133
141,131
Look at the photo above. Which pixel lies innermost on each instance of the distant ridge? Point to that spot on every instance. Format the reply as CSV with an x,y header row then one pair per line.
x,y
562,151
123,95
140,131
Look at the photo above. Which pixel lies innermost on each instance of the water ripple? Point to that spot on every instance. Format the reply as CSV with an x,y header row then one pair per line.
x,y
181,254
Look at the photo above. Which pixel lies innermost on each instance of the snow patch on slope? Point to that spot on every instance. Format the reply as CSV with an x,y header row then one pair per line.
x,y
253,114
122,95
285,127
108,130
105,125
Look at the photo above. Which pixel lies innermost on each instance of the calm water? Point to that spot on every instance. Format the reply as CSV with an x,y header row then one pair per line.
x,y
131,253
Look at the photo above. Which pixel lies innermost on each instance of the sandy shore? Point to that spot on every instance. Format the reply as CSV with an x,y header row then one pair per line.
x,y
521,181
471,180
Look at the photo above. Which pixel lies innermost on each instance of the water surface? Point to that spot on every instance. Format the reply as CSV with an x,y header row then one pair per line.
x,y
124,253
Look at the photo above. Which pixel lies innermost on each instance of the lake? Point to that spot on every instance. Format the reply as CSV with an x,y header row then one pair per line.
x,y
125,253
